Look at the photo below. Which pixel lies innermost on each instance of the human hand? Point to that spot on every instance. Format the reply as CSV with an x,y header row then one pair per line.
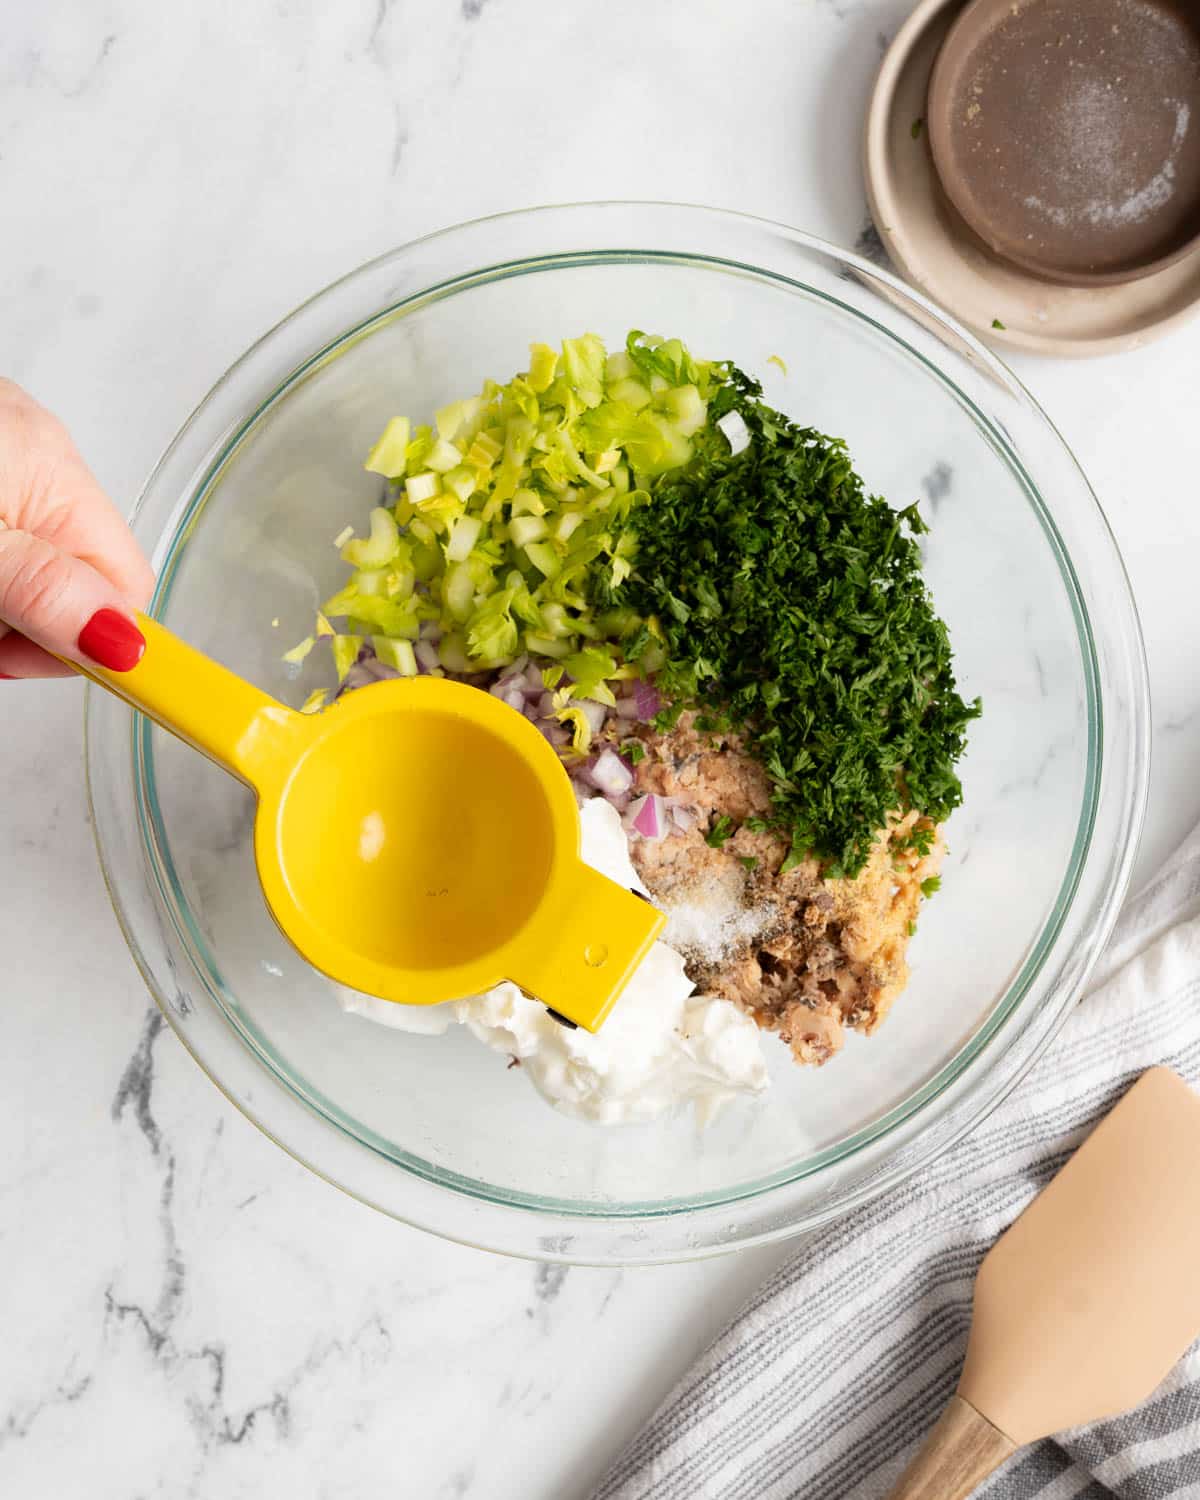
x,y
71,574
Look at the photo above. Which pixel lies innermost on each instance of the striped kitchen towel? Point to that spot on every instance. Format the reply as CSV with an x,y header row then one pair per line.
x,y
826,1383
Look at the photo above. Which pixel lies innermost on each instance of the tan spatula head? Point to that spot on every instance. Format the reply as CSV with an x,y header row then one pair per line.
x,y
1083,1306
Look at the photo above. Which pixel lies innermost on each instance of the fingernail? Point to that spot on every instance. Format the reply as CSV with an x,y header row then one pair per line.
x,y
112,641
7,677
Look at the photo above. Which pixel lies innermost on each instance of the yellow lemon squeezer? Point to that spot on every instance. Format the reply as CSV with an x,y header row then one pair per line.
x,y
418,840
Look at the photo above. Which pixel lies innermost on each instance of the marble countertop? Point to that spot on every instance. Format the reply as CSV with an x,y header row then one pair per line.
x,y
186,1312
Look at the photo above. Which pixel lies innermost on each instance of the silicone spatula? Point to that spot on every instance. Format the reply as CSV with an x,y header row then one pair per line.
x,y
1086,1302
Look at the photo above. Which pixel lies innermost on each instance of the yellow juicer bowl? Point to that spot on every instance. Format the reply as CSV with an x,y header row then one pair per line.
x,y
418,840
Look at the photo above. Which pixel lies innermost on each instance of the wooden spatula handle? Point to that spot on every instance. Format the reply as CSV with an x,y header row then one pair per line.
x,y
960,1452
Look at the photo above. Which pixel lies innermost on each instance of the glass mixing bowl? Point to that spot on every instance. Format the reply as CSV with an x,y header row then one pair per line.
x,y
240,517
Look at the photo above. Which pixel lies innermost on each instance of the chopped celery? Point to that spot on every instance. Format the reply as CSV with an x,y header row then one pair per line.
x,y
509,525
443,457
388,455
458,591
297,654
345,653
423,487
397,654
380,547
463,536
543,366
526,529
544,558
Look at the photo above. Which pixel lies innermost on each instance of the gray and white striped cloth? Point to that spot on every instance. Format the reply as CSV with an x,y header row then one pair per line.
x,y
825,1384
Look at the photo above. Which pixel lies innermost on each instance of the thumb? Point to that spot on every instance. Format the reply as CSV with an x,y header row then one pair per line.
x,y
62,605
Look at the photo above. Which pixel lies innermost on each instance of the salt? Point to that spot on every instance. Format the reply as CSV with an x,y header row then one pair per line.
x,y
712,920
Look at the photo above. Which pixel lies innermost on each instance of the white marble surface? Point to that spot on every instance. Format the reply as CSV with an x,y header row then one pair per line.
x,y
185,1312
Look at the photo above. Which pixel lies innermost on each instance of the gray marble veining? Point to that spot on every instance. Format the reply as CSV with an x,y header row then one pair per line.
x,y
188,1312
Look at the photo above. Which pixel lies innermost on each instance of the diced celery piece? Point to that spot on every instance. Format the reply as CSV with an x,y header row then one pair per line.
x,y
686,409
422,530
543,645
526,529
452,654
604,463
631,392
543,366
458,591
583,367
397,654
567,524
460,482
422,441
544,558
526,502
345,653
423,487
554,616
581,731
297,654
449,419
372,581
484,451
380,547
443,457
463,536
389,454
492,632
618,366
427,561
314,702
399,582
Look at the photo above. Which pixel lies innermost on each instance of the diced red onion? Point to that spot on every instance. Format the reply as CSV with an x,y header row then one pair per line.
x,y
610,774
627,709
648,820
645,695
736,432
683,819
546,705
595,713
427,655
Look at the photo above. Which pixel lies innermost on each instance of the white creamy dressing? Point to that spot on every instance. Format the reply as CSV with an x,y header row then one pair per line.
x,y
661,1046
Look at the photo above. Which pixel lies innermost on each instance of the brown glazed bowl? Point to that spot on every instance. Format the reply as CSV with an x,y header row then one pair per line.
x,y
1067,133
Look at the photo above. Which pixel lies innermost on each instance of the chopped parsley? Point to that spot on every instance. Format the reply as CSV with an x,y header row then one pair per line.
x,y
928,887
919,839
719,832
634,751
996,323
788,599
750,861
917,126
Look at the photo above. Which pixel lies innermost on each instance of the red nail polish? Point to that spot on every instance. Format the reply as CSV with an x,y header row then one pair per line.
x,y
7,677
112,641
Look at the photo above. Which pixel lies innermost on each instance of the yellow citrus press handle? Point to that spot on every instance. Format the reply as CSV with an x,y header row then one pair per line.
x,y
580,960
205,704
